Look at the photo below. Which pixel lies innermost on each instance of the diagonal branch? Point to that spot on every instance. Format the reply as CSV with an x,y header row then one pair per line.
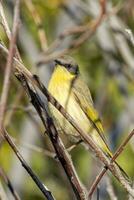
x,y
115,155
41,186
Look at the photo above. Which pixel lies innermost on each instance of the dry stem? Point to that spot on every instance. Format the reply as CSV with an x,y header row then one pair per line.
x,y
9,63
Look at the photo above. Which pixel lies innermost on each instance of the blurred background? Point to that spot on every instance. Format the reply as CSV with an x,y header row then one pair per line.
x,y
106,62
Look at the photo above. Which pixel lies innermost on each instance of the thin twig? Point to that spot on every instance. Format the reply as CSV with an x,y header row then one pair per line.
x,y
9,63
70,31
96,24
122,146
12,39
9,184
87,33
41,186
115,155
7,29
4,22
96,182
40,149
34,148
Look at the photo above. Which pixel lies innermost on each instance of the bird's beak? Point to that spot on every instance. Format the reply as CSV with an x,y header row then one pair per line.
x,y
57,62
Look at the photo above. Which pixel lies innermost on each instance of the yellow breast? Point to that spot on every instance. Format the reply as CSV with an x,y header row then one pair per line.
x,y
59,87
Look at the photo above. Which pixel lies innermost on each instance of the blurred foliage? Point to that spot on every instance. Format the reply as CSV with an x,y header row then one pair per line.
x,y
110,93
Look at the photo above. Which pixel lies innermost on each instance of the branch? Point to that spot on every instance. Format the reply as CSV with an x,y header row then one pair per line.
x,y
35,148
7,29
9,63
41,186
115,155
87,33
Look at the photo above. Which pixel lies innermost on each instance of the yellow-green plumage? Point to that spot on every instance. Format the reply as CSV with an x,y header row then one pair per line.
x,y
68,88
73,94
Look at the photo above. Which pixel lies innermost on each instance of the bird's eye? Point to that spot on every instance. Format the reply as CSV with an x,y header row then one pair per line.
x,y
72,68
69,66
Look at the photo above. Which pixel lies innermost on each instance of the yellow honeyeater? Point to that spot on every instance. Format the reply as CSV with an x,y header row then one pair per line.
x,y
69,89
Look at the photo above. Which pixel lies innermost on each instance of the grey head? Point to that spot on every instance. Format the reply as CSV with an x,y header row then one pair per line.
x,y
69,63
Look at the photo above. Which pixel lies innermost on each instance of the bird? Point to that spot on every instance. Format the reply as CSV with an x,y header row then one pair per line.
x,y
68,87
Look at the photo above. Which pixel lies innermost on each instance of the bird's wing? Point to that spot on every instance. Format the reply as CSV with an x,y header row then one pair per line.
x,y
83,97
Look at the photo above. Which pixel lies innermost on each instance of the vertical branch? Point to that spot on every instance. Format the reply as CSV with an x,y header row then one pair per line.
x,y
9,63
16,53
